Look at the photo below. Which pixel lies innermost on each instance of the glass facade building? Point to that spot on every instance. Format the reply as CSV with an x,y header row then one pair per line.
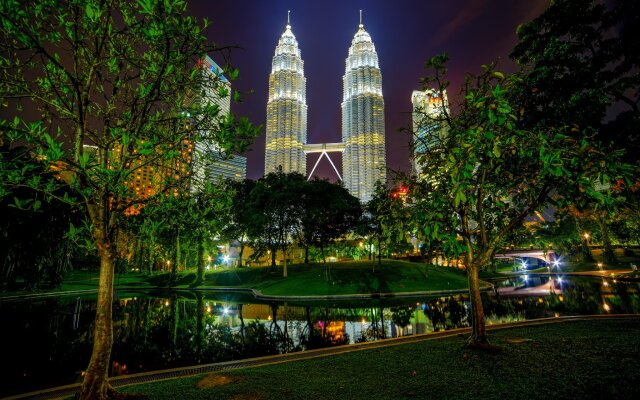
x,y
428,124
234,167
286,109
205,148
363,159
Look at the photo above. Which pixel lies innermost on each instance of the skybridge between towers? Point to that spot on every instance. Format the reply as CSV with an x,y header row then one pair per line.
x,y
324,149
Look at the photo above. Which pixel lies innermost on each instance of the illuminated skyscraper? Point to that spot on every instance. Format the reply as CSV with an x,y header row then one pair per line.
x,y
363,160
286,109
205,148
428,122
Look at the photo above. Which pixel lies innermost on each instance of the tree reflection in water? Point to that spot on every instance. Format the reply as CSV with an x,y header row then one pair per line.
x,y
49,340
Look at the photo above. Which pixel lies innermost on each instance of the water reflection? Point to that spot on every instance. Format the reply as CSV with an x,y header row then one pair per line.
x,y
47,342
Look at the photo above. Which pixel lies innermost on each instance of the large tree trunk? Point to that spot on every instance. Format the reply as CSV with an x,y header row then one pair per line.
x,y
240,255
151,258
607,250
174,267
200,261
284,271
273,259
306,254
478,329
95,384
379,252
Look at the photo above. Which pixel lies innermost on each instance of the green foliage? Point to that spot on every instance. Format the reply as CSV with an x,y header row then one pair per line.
x,y
119,77
330,213
488,173
276,208
580,58
389,218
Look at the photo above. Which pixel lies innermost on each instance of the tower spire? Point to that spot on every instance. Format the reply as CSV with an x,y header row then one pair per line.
x,y
288,17
361,26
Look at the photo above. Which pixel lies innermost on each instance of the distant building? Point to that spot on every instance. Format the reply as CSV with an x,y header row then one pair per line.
x,y
234,168
428,122
286,122
204,149
364,158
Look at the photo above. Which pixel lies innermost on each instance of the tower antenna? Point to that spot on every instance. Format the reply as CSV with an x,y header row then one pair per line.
x,y
361,18
288,17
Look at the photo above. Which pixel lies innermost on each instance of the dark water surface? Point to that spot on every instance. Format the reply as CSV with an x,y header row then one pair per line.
x,y
47,342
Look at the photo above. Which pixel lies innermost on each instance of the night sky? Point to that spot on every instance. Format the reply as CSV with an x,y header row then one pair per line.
x,y
405,32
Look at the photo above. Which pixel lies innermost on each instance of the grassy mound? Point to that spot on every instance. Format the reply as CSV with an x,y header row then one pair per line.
x,y
355,277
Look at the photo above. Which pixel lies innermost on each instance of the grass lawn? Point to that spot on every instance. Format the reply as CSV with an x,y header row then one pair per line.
x,y
570,360
354,277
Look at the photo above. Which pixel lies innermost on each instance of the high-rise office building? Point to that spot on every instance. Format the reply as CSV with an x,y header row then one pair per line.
x,y
234,167
286,108
428,122
205,149
363,159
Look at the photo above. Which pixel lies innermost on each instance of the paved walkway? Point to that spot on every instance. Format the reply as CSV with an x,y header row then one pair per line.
x,y
146,377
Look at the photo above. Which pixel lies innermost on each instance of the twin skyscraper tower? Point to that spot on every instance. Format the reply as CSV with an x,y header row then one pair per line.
x,y
363,143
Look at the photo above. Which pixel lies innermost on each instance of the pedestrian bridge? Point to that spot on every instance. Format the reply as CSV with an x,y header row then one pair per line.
x,y
548,256
324,149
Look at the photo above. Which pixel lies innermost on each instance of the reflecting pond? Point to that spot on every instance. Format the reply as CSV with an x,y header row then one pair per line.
x,y
47,341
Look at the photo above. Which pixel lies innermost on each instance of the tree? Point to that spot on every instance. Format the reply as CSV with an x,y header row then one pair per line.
x,y
36,245
580,58
241,216
207,215
329,213
490,172
278,204
99,90
390,218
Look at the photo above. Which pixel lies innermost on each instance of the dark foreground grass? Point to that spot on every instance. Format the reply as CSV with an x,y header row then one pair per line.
x,y
570,360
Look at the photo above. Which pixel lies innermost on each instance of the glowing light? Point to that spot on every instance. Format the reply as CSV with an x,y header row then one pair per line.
x,y
525,277
225,258
225,311
540,300
556,263
560,298
363,320
606,307
269,317
166,303
209,309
